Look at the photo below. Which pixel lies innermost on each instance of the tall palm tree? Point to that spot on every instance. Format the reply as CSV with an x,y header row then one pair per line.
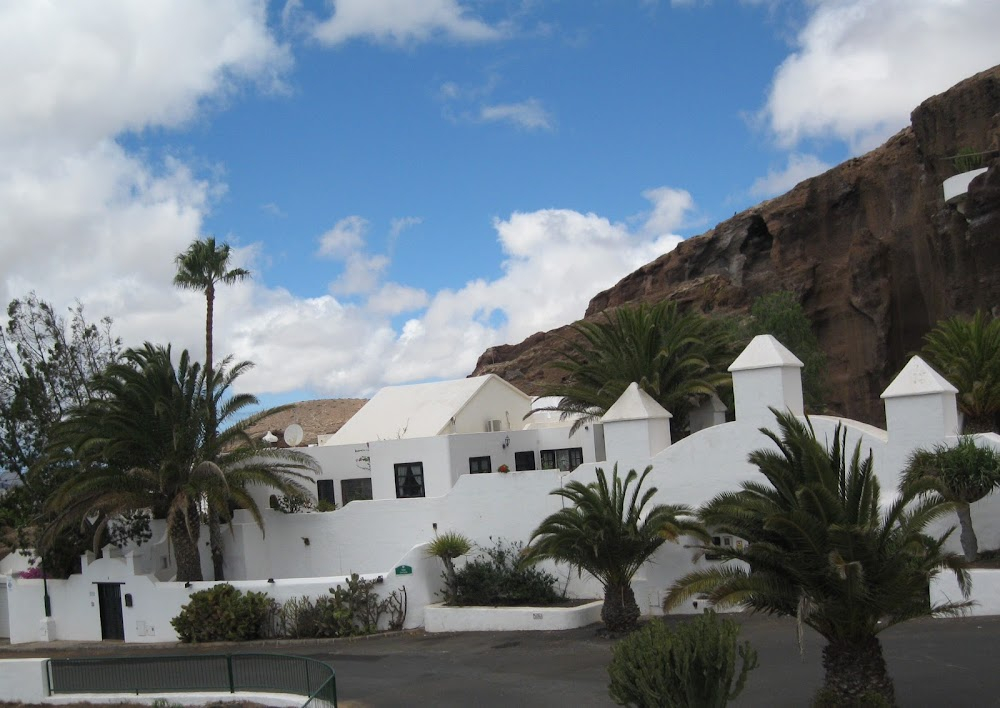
x,y
822,549
967,352
609,533
964,474
143,443
201,267
675,357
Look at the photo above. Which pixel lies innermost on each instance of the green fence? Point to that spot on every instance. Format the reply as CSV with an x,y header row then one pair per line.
x,y
265,673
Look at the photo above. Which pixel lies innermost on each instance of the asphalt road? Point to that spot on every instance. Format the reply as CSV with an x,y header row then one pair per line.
x,y
933,662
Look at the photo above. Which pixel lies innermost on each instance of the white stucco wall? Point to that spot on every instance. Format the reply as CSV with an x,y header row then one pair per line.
x,y
635,439
496,400
23,680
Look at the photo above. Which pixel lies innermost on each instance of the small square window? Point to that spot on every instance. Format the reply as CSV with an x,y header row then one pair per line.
x,y
324,491
409,480
479,465
524,460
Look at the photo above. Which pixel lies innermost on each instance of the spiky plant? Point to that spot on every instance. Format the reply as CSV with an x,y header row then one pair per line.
x,y
821,548
448,546
609,529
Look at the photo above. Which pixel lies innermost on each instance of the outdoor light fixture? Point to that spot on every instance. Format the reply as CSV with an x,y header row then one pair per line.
x,y
380,579
271,580
187,584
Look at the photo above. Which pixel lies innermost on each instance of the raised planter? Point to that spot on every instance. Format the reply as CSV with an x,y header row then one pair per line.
x,y
438,618
985,591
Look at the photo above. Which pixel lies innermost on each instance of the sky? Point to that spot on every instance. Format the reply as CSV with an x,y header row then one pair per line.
x,y
413,181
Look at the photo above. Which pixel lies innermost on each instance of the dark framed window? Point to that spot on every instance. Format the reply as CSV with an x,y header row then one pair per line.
x,y
566,459
524,460
409,480
324,490
480,465
352,489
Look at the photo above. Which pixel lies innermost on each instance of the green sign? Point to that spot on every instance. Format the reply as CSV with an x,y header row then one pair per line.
x,y
404,570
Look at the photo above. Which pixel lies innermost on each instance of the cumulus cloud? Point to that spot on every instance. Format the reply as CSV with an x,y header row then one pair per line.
x,y
860,67
799,167
402,22
346,237
527,115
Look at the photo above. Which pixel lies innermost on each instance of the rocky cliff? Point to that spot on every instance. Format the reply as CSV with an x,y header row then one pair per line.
x,y
870,247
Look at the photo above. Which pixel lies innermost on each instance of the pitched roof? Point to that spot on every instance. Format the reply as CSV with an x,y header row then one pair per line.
x,y
635,404
764,352
917,378
413,411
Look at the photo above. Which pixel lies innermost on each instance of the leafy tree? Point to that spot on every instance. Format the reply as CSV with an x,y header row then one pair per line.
x,y
967,352
609,532
677,358
964,473
144,443
47,365
201,267
781,315
820,548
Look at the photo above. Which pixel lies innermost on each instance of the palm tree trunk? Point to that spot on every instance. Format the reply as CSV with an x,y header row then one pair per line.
x,y
185,550
215,539
970,544
209,318
854,669
620,612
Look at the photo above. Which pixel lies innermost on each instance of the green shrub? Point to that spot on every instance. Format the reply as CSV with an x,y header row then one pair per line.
x,y
967,160
449,546
497,577
351,610
692,665
223,613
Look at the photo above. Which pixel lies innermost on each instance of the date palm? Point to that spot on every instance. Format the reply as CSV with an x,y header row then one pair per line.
x,y
609,532
967,352
201,267
142,443
821,548
675,357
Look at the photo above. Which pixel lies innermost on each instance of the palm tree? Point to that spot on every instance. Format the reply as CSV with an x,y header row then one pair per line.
x,y
609,533
675,357
143,442
820,548
964,473
201,267
967,353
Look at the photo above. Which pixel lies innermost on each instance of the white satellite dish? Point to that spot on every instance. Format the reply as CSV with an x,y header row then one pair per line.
x,y
293,435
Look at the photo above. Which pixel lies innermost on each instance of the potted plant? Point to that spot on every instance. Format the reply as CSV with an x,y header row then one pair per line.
x,y
503,469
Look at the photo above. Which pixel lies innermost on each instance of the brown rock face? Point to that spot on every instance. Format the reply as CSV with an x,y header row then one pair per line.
x,y
870,247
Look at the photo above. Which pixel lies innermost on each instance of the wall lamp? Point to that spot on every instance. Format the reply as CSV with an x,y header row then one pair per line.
x,y
187,584
271,580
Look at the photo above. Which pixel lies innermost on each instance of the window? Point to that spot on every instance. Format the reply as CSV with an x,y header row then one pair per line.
x,y
351,489
567,459
324,490
409,480
479,465
524,460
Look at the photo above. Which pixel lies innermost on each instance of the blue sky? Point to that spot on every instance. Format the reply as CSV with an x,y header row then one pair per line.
x,y
412,181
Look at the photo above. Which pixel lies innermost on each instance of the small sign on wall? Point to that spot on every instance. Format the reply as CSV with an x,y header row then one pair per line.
x,y
404,570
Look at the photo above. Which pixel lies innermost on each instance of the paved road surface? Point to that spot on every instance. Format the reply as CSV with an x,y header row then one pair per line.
x,y
934,663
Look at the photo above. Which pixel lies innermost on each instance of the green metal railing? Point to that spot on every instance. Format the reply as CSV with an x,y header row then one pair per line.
x,y
269,673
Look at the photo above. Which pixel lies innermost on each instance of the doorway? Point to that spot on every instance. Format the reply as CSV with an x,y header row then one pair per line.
x,y
109,600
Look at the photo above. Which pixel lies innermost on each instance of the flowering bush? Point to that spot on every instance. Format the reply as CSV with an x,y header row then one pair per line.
x,y
503,468
33,573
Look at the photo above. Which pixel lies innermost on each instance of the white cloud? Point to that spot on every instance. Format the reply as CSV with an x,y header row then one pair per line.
x,y
346,237
861,66
402,22
395,299
400,224
670,207
362,274
799,167
528,115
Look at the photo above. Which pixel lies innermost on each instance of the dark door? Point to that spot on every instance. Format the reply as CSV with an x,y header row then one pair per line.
x,y
109,599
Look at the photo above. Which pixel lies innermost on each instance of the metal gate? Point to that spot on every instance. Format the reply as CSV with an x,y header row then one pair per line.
x,y
109,599
4,610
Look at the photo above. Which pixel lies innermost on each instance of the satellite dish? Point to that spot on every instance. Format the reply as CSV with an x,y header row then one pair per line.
x,y
293,435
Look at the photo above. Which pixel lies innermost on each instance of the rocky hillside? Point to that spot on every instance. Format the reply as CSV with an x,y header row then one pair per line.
x,y
870,247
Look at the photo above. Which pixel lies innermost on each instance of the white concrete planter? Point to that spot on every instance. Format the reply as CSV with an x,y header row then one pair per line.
x,y
955,188
985,591
438,618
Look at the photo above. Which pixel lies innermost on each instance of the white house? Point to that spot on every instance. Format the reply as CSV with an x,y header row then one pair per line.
x,y
385,537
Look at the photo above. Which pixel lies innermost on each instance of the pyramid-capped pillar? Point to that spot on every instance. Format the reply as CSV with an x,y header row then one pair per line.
x,y
636,426
766,375
920,407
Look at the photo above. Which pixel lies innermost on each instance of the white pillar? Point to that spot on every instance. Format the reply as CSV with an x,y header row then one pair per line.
x,y
636,427
766,375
